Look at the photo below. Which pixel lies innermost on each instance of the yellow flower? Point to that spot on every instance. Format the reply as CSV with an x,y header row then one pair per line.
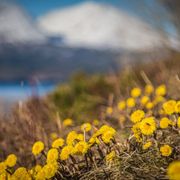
x,y
37,148
96,122
136,128
80,137
11,160
86,127
121,105
50,170
138,138
158,99
148,126
137,133
130,102
41,175
93,140
52,155
135,92
173,170
71,137
110,157
137,116
58,143
107,137
177,107
2,167
21,173
37,168
149,89
144,100
122,119
106,128
147,145
53,136
149,105
109,110
3,176
169,107
66,151
165,150
178,122
81,148
161,90
165,122
67,122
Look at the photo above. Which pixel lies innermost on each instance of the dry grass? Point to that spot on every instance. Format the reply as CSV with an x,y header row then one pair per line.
x,y
37,118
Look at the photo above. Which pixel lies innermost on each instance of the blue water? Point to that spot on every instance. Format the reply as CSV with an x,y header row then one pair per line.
x,y
16,92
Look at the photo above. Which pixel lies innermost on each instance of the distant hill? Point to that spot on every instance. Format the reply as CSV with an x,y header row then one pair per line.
x,y
89,37
47,62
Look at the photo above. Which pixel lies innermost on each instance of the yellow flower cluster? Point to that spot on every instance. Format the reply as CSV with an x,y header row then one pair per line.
x,y
152,118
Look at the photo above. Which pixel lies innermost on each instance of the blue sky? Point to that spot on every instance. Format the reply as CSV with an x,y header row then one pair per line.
x,y
39,7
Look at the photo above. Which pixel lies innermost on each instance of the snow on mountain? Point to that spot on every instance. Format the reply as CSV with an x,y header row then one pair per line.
x,y
100,26
16,26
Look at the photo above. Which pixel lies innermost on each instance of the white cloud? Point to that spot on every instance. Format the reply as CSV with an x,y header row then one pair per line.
x,y
100,26
16,26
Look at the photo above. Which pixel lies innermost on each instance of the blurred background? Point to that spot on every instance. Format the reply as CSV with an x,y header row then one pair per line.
x,y
44,43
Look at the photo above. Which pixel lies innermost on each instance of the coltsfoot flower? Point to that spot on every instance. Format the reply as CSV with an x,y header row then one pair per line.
x,y
149,105
95,122
37,168
109,110
173,170
81,148
147,145
137,116
149,89
67,122
110,157
21,173
37,148
107,137
53,136
50,170
66,152
144,100
58,143
11,160
148,126
71,137
3,167
135,92
177,107
165,122
169,107
52,155
86,127
166,150
178,122
121,105
130,102
161,90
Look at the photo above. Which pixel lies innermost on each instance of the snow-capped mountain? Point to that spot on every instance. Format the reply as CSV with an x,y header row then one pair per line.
x,y
96,25
17,27
71,39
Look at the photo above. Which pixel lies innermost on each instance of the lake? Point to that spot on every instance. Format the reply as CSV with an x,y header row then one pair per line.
x,y
12,93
